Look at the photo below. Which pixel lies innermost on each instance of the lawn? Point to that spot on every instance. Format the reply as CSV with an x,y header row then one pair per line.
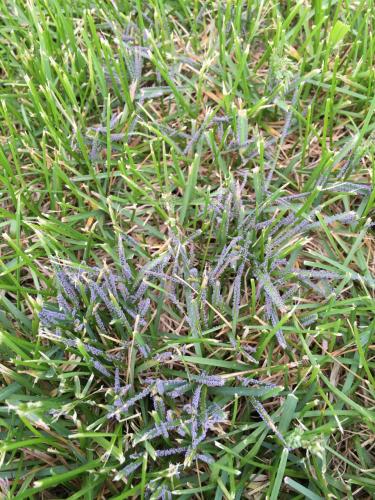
x,y
187,254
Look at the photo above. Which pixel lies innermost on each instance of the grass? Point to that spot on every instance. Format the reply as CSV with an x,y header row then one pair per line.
x,y
94,145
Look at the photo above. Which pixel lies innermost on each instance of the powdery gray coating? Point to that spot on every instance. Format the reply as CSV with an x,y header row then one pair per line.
x,y
100,367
